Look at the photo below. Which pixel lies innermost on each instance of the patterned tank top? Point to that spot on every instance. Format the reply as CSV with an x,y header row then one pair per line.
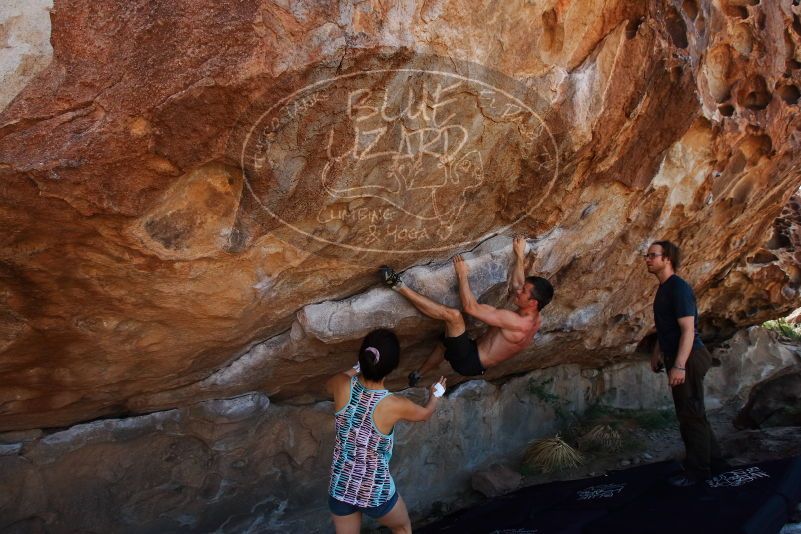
x,y
360,470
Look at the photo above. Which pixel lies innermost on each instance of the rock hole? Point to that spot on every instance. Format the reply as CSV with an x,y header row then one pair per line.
x,y
727,110
789,93
632,27
778,241
756,96
756,100
676,28
796,25
691,8
762,257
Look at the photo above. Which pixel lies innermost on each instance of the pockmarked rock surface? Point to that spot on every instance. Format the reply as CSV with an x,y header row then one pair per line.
x,y
196,194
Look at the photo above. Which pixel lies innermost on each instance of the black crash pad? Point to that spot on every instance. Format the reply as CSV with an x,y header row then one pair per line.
x,y
752,499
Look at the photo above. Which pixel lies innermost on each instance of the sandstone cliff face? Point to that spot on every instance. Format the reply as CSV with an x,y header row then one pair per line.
x,y
195,195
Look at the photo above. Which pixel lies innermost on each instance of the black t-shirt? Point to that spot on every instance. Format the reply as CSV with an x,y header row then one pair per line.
x,y
674,299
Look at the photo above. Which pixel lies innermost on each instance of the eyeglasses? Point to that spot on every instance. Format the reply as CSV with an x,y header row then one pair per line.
x,y
652,255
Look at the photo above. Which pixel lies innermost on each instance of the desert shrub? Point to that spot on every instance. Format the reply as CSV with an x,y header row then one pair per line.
x,y
601,437
551,454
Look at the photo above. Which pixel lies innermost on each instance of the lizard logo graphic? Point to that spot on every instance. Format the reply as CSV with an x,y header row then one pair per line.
x,y
388,160
424,172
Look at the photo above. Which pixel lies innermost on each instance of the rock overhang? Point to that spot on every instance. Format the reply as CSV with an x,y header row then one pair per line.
x,y
143,269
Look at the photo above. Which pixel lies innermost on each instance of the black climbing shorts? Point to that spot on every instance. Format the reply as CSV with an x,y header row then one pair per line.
x,y
462,353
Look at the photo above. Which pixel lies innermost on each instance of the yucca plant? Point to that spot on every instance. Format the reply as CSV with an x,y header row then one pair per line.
x,y
601,437
552,454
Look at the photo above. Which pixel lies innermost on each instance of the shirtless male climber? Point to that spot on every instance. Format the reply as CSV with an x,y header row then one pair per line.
x,y
510,332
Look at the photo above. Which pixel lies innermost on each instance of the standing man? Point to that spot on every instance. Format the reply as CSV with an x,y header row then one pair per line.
x,y
510,331
686,360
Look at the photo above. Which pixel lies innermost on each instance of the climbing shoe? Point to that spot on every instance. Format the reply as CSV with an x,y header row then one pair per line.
x,y
390,278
